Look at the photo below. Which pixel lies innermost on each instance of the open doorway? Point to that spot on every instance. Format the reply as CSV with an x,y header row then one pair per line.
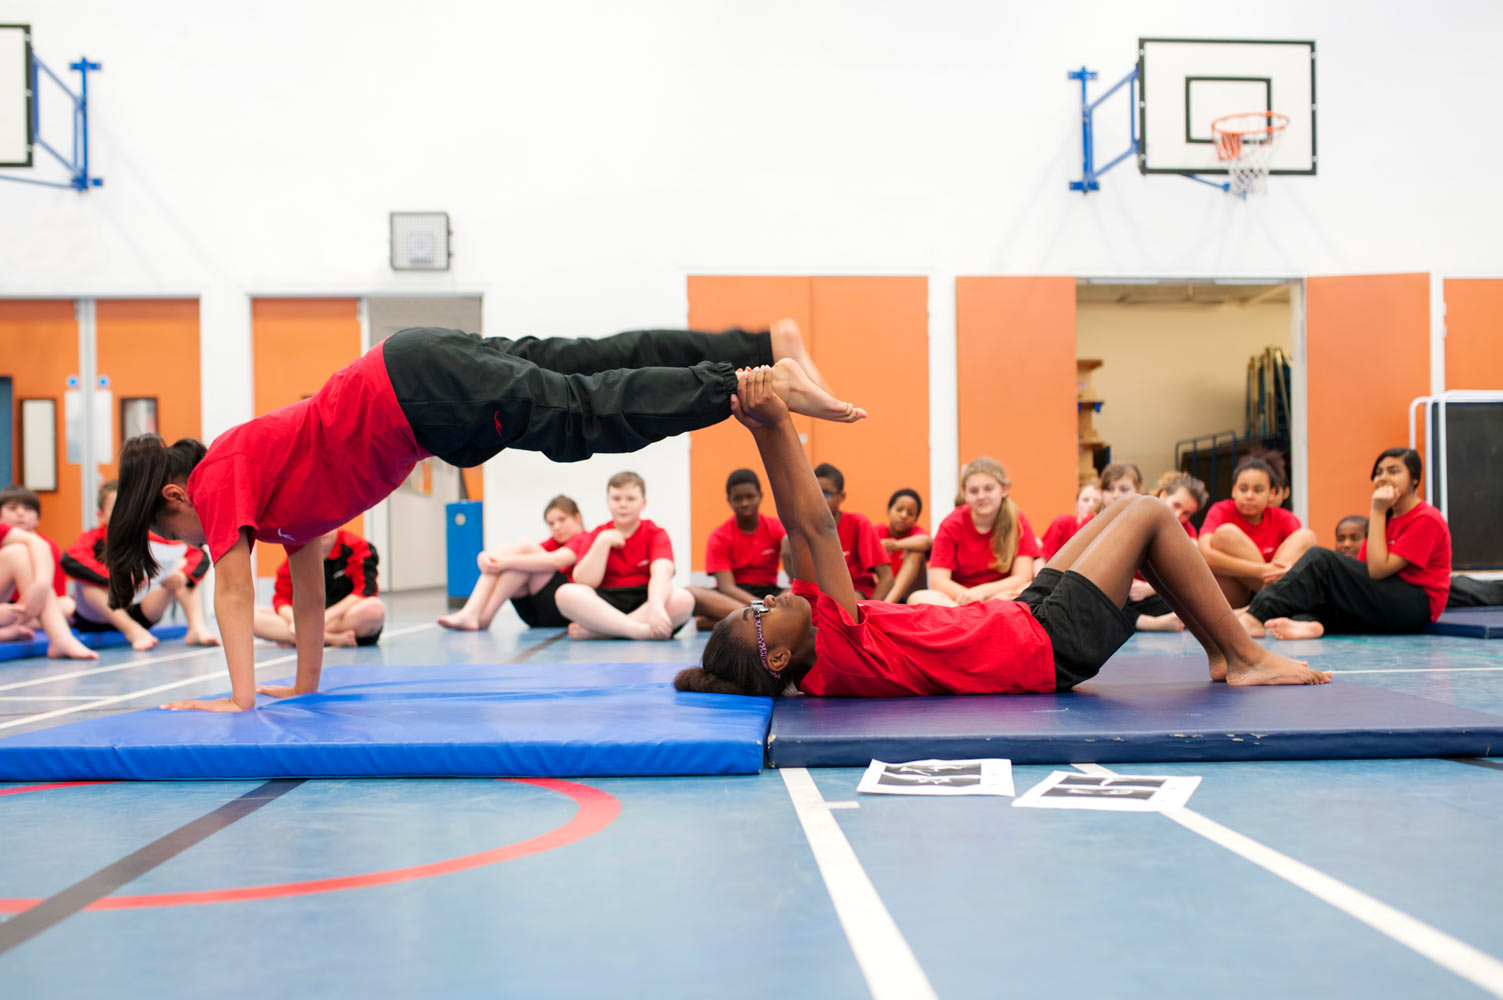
x,y
1194,373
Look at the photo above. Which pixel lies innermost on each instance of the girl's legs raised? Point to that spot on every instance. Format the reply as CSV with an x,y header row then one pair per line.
x,y
1145,533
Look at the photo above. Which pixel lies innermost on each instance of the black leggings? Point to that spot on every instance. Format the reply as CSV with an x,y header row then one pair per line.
x,y
1336,591
468,397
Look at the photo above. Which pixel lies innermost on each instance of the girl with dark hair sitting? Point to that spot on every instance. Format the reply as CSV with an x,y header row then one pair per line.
x,y
1398,582
1057,634
295,473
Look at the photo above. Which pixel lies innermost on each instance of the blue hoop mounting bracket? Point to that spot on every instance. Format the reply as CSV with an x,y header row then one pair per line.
x,y
77,164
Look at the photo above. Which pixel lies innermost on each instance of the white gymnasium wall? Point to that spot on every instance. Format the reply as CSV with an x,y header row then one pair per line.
x,y
592,154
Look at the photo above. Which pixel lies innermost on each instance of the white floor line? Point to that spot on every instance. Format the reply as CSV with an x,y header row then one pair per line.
x,y
1420,670
48,697
1458,957
91,671
216,675
891,971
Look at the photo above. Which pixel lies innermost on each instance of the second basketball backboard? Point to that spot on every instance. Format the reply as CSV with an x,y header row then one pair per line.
x,y
15,95
1186,84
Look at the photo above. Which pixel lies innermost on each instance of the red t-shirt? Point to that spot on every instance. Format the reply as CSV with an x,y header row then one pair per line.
x,y
862,549
349,568
295,473
1268,534
896,556
630,565
987,647
1424,539
967,553
1060,531
577,545
750,556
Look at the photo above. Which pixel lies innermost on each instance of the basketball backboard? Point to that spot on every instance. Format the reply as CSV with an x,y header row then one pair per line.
x,y
1188,83
15,95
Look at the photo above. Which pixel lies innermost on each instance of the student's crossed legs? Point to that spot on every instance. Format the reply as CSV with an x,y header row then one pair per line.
x,y
1140,533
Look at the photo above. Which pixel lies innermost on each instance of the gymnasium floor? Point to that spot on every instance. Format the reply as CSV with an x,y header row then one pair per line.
x,y
704,887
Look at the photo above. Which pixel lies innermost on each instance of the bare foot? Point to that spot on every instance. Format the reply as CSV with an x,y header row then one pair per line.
x,y
16,633
200,639
1251,625
142,642
794,387
788,342
1271,668
339,638
70,649
1217,663
1288,628
460,622
1160,623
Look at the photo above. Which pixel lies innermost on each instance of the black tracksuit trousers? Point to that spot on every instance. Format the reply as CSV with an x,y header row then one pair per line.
x,y
468,397
1336,591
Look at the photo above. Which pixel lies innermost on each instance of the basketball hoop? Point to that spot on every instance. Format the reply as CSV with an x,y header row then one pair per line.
x,y
1245,143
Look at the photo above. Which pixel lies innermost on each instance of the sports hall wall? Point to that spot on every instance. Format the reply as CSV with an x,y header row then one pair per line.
x,y
595,156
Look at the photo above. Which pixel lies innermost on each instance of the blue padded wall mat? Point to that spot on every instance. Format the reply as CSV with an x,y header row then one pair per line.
x,y
94,640
1140,709
1473,623
452,720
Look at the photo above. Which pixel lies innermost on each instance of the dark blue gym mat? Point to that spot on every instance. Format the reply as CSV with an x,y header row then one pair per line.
x,y
1473,623
93,640
1139,709
553,720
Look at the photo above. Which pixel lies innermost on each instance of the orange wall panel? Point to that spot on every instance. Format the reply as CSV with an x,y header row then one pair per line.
x,y
1015,386
720,303
872,337
39,350
1474,333
1367,356
296,344
149,347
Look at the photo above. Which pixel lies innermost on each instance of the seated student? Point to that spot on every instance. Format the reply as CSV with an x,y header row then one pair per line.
x,y
985,548
527,573
907,544
1399,581
20,507
1351,532
1118,480
26,565
353,614
1087,505
1247,542
824,641
623,581
871,569
742,554
1184,495
183,567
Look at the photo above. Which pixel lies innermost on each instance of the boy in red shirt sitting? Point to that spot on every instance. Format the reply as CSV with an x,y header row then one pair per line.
x,y
871,567
20,507
353,614
623,582
742,554
1060,631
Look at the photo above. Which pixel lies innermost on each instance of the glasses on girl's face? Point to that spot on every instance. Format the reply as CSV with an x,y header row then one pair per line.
x,y
758,609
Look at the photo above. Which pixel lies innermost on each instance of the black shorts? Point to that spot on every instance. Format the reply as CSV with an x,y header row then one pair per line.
x,y
1153,606
1082,623
82,624
623,599
369,640
540,610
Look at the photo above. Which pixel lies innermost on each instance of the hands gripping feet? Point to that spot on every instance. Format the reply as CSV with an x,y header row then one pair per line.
x,y
794,386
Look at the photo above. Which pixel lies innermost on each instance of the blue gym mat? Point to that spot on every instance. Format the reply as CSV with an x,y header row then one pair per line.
x,y
1474,623
1139,709
94,640
525,720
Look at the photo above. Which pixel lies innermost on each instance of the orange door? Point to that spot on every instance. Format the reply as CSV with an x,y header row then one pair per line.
x,y
1367,350
296,345
872,345
38,351
1015,386
722,303
1474,333
149,349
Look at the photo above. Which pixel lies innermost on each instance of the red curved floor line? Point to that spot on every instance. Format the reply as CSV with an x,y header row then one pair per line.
x,y
43,788
597,810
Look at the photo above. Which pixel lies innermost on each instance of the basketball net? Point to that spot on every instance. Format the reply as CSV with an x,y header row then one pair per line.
x,y
1245,143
